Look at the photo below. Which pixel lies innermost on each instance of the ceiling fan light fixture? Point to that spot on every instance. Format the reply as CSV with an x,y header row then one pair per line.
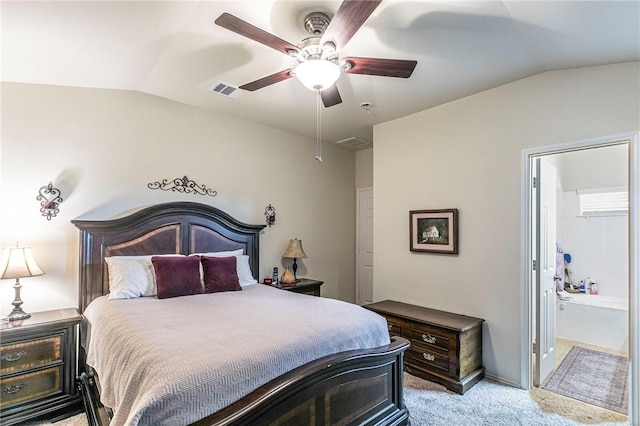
x,y
317,74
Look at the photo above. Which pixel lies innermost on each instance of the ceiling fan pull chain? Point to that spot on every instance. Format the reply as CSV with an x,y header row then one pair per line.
x,y
318,128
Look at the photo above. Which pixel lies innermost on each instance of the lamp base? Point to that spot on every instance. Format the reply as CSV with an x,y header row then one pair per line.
x,y
18,314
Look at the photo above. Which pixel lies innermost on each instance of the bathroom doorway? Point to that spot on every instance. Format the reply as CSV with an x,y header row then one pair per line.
x,y
590,167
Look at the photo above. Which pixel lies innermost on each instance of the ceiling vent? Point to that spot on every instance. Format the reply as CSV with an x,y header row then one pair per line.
x,y
226,90
353,143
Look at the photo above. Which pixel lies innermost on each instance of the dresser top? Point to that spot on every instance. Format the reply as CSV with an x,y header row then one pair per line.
x,y
37,319
444,319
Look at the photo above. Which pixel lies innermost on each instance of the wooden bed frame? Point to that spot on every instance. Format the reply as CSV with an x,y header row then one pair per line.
x,y
349,388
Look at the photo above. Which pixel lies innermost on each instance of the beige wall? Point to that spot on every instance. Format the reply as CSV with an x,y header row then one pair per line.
x,y
102,147
467,155
364,168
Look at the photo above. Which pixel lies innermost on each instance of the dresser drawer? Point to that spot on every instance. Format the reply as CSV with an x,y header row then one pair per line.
x,y
422,357
396,326
29,386
28,354
431,336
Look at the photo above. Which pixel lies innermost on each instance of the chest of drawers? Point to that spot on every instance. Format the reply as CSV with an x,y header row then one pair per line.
x,y
38,367
446,348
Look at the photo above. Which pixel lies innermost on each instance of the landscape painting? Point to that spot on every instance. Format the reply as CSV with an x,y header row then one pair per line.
x,y
434,231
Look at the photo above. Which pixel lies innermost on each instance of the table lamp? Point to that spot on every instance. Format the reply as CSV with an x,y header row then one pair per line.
x,y
18,262
294,251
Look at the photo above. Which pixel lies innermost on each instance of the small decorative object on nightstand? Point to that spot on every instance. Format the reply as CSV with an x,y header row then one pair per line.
x,y
38,369
295,251
18,262
287,277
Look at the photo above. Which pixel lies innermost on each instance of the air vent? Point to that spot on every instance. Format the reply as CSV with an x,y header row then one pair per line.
x,y
353,143
226,90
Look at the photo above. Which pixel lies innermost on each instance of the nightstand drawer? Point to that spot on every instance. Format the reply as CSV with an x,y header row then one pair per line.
x,y
438,338
29,386
23,355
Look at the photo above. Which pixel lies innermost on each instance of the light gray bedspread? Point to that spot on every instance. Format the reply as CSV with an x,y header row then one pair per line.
x,y
175,361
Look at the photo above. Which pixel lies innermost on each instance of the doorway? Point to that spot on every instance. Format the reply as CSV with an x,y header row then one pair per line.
x,y
531,322
364,246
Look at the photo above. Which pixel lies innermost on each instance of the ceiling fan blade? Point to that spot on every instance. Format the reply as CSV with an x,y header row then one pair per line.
x,y
383,67
330,96
241,27
268,80
348,19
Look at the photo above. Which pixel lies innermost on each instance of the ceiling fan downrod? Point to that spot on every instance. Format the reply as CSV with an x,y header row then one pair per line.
x,y
318,127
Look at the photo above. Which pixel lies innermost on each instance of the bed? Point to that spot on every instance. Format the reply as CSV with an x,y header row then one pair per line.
x,y
347,384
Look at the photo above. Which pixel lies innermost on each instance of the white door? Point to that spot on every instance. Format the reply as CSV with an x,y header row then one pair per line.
x,y
545,258
364,247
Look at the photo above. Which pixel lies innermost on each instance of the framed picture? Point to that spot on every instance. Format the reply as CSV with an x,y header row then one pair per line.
x,y
434,231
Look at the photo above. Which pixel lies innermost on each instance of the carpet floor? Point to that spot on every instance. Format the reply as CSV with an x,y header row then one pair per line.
x,y
592,376
492,404
486,404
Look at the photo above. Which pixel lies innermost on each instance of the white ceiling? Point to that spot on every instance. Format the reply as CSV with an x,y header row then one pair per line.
x,y
174,50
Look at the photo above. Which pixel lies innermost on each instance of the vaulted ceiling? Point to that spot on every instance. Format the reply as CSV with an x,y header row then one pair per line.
x,y
173,49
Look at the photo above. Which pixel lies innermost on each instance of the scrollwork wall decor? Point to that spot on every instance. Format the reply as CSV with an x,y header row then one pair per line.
x,y
50,200
184,185
270,213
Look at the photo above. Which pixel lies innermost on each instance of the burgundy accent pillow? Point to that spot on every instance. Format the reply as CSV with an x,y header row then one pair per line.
x,y
177,276
220,274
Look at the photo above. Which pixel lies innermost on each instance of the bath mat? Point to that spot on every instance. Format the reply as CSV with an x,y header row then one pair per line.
x,y
593,377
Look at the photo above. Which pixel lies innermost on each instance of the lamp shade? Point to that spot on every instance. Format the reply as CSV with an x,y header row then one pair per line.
x,y
294,251
18,262
317,74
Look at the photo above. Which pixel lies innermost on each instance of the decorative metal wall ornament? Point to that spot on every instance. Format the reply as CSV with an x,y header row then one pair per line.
x,y
270,213
50,200
184,185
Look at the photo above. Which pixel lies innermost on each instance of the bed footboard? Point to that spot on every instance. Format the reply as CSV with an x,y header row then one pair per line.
x,y
352,388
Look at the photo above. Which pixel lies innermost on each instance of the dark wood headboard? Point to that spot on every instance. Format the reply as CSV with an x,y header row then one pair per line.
x,y
171,228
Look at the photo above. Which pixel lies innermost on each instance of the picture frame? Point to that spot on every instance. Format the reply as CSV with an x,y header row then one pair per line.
x,y
433,231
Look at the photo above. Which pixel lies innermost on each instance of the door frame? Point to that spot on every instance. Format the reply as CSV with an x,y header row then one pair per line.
x,y
633,138
358,192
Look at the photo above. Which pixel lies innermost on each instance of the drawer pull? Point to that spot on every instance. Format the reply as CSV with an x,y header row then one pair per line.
x,y
13,357
428,338
390,327
428,357
13,389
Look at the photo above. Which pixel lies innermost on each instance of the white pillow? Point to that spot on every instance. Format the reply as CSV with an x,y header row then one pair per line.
x,y
230,253
244,271
132,276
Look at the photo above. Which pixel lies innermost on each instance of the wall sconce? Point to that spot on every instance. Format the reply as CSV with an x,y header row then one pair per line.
x,y
50,199
270,213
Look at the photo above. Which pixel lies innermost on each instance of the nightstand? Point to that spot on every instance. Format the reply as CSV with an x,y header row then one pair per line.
x,y
304,286
38,367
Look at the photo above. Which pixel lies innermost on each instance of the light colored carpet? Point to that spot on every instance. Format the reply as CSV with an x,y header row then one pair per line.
x,y
492,404
486,404
592,376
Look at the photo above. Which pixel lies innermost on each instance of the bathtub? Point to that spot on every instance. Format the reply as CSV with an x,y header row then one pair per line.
x,y
594,319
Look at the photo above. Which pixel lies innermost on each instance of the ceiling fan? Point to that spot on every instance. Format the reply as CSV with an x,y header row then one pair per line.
x,y
319,62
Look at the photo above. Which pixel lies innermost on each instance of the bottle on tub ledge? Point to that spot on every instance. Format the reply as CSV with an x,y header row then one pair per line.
x,y
589,286
581,287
